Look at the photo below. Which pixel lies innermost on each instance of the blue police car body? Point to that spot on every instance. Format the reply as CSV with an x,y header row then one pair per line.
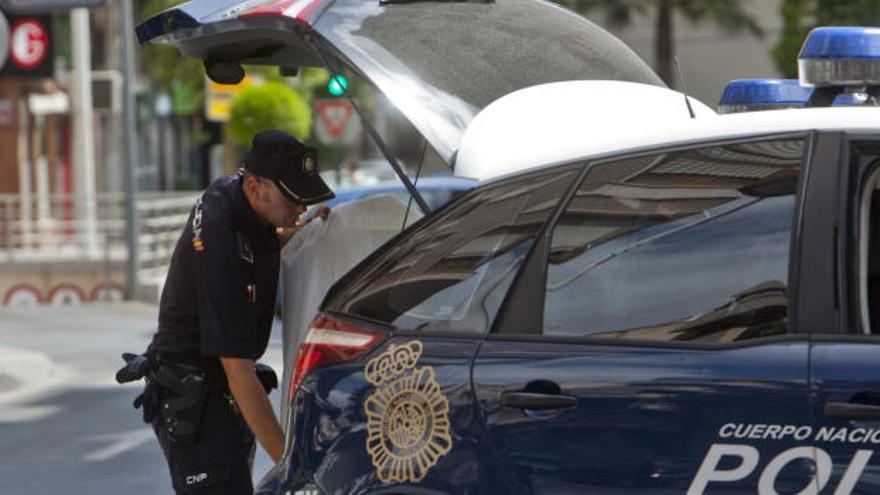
x,y
534,413
694,353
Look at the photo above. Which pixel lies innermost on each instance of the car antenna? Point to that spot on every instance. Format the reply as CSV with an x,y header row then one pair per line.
x,y
683,87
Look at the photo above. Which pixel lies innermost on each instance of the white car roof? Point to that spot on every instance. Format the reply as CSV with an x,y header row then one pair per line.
x,y
561,122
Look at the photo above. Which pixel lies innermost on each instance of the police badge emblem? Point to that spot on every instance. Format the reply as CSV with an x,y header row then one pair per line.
x,y
308,164
408,428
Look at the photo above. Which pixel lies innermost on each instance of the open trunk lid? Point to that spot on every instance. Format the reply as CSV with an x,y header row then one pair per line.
x,y
439,63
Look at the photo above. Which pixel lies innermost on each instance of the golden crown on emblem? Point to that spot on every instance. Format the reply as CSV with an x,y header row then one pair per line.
x,y
392,363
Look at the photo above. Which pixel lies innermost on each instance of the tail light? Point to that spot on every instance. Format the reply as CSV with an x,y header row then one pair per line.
x,y
301,10
330,341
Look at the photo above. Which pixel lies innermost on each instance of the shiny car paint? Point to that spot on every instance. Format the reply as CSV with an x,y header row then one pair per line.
x,y
330,416
629,416
640,417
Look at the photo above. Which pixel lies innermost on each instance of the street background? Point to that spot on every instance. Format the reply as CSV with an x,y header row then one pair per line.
x,y
104,146
66,426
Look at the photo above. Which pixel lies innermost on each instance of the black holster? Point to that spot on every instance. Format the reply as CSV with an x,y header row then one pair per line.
x,y
181,391
175,393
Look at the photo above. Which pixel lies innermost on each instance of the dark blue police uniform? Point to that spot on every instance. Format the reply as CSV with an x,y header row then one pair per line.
x,y
218,300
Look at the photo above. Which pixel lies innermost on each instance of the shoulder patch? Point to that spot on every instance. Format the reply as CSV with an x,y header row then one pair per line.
x,y
408,428
197,243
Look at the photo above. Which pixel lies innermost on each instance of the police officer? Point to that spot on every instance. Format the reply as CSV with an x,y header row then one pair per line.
x,y
205,400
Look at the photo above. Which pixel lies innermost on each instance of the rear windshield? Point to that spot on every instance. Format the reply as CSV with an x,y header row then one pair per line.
x,y
452,273
442,62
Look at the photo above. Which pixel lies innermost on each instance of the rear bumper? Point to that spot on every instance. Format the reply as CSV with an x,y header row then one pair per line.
x,y
283,479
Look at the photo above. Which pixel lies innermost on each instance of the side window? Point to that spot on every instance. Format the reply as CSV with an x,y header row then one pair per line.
x,y
451,274
869,246
689,246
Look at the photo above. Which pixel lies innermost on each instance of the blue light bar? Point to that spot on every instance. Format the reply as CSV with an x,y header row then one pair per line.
x,y
840,56
850,99
842,42
745,95
749,95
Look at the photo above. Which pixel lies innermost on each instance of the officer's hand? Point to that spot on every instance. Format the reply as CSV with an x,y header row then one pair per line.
x,y
285,233
323,212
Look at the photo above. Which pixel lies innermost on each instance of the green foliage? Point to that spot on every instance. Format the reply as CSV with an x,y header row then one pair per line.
x,y
268,73
185,77
800,16
794,13
312,82
269,106
168,68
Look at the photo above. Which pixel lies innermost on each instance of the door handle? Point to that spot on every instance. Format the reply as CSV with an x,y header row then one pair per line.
x,y
537,402
846,410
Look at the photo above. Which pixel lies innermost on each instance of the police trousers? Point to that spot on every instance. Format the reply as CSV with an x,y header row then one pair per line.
x,y
220,459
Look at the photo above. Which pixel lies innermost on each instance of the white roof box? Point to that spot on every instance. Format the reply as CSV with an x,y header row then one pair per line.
x,y
545,124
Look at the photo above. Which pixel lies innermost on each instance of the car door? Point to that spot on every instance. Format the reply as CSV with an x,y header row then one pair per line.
x,y
398,415
647,345
845,370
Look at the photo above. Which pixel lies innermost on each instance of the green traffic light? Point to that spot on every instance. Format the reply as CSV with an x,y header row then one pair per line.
x,y
337,85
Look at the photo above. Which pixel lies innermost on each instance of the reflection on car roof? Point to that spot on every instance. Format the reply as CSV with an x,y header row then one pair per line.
x,y
423,184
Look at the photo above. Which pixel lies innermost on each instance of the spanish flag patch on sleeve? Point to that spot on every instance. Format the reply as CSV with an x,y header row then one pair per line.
x,y
197,244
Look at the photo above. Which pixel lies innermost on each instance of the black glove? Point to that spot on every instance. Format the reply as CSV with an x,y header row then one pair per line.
x,y
267,377
137,366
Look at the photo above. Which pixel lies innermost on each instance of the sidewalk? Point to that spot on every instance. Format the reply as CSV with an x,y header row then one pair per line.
x,y
26,376
66,426
7,382
43,349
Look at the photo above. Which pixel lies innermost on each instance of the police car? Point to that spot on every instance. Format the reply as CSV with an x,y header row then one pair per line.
x,y
645,297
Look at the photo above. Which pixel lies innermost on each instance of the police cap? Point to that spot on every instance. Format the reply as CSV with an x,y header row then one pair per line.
x,y
292,165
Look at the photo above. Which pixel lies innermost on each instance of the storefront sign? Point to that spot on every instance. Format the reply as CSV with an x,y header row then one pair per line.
x,y
30,47
29,43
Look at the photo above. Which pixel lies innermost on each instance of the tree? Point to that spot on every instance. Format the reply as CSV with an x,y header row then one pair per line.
x,y
800,16
272,105
728,14
171,71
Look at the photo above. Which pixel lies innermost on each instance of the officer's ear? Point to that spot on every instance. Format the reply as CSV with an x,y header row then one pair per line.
x,y
251,183
250,186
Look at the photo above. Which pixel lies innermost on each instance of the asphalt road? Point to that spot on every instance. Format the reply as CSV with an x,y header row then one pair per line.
x,y
65,425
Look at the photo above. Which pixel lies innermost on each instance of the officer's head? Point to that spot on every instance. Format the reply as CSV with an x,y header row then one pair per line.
x,y
281,177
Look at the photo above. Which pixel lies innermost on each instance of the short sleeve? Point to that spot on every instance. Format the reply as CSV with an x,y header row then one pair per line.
x,y
227,314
